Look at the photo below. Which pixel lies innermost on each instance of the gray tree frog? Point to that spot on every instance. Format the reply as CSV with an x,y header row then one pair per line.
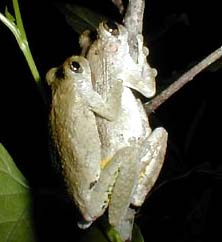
x,y
111,52
75,104
110,60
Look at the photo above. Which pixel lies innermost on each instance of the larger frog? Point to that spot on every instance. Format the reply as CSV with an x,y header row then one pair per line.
x,y
110,60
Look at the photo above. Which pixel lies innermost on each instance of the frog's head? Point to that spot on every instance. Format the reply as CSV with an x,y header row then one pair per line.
x,y
113,31
73,69
113,35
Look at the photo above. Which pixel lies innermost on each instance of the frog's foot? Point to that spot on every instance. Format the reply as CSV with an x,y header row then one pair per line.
x,y
151,164
126,227
148,73
85,41
109,108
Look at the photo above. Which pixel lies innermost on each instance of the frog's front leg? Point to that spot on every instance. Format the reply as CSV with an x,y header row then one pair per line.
x,y
148,74
142,76
110,107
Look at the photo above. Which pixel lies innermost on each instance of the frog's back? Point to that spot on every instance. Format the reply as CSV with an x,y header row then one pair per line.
x,y
75,133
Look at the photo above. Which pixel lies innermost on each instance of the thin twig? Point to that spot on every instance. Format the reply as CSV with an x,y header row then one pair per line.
x,y
181,81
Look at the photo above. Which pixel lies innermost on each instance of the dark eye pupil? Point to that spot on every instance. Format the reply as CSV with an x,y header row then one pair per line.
x,y
111,27
75,66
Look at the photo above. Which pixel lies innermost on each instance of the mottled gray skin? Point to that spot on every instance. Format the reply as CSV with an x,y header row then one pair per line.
x,y
109,60
75,135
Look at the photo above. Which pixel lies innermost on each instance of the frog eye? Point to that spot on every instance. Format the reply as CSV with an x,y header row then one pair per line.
x,y
76,67
111,27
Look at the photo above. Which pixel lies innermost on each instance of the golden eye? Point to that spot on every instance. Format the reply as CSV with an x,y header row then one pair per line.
x,y
76,67
111,27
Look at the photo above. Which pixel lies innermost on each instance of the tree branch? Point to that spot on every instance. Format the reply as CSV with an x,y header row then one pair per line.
x,y
181,81
119,5
133,21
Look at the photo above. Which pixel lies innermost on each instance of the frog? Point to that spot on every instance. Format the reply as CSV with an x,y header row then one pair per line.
x,y
111,51
75,105
110,60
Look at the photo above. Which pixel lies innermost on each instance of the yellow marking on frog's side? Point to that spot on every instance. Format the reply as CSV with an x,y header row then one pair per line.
x,y
104,162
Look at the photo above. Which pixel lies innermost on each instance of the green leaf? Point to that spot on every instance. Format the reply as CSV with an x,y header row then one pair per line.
x,y
15,202
102,231
94,234
8,15
16,27
80,18
137,235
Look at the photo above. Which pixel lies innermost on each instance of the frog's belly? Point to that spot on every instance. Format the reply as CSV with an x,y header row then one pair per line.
x,y
131,126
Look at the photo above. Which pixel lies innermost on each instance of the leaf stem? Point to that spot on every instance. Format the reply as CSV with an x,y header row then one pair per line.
x,y
17,28
18,18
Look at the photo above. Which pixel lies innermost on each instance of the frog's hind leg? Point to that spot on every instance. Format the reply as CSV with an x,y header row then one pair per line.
x,y
117,181
139,171
150,156
121,216
102,190
150,165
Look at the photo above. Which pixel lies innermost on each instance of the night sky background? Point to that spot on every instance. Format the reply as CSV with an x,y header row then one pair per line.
x,y
185,203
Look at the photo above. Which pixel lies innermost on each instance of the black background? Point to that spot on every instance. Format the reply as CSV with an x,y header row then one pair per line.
x,y
185,203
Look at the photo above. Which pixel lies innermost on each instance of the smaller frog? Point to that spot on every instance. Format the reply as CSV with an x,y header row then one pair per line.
x,y
72,80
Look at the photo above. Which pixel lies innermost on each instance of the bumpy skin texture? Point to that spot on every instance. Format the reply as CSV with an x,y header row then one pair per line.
x,y
110,60
75,135
106,146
